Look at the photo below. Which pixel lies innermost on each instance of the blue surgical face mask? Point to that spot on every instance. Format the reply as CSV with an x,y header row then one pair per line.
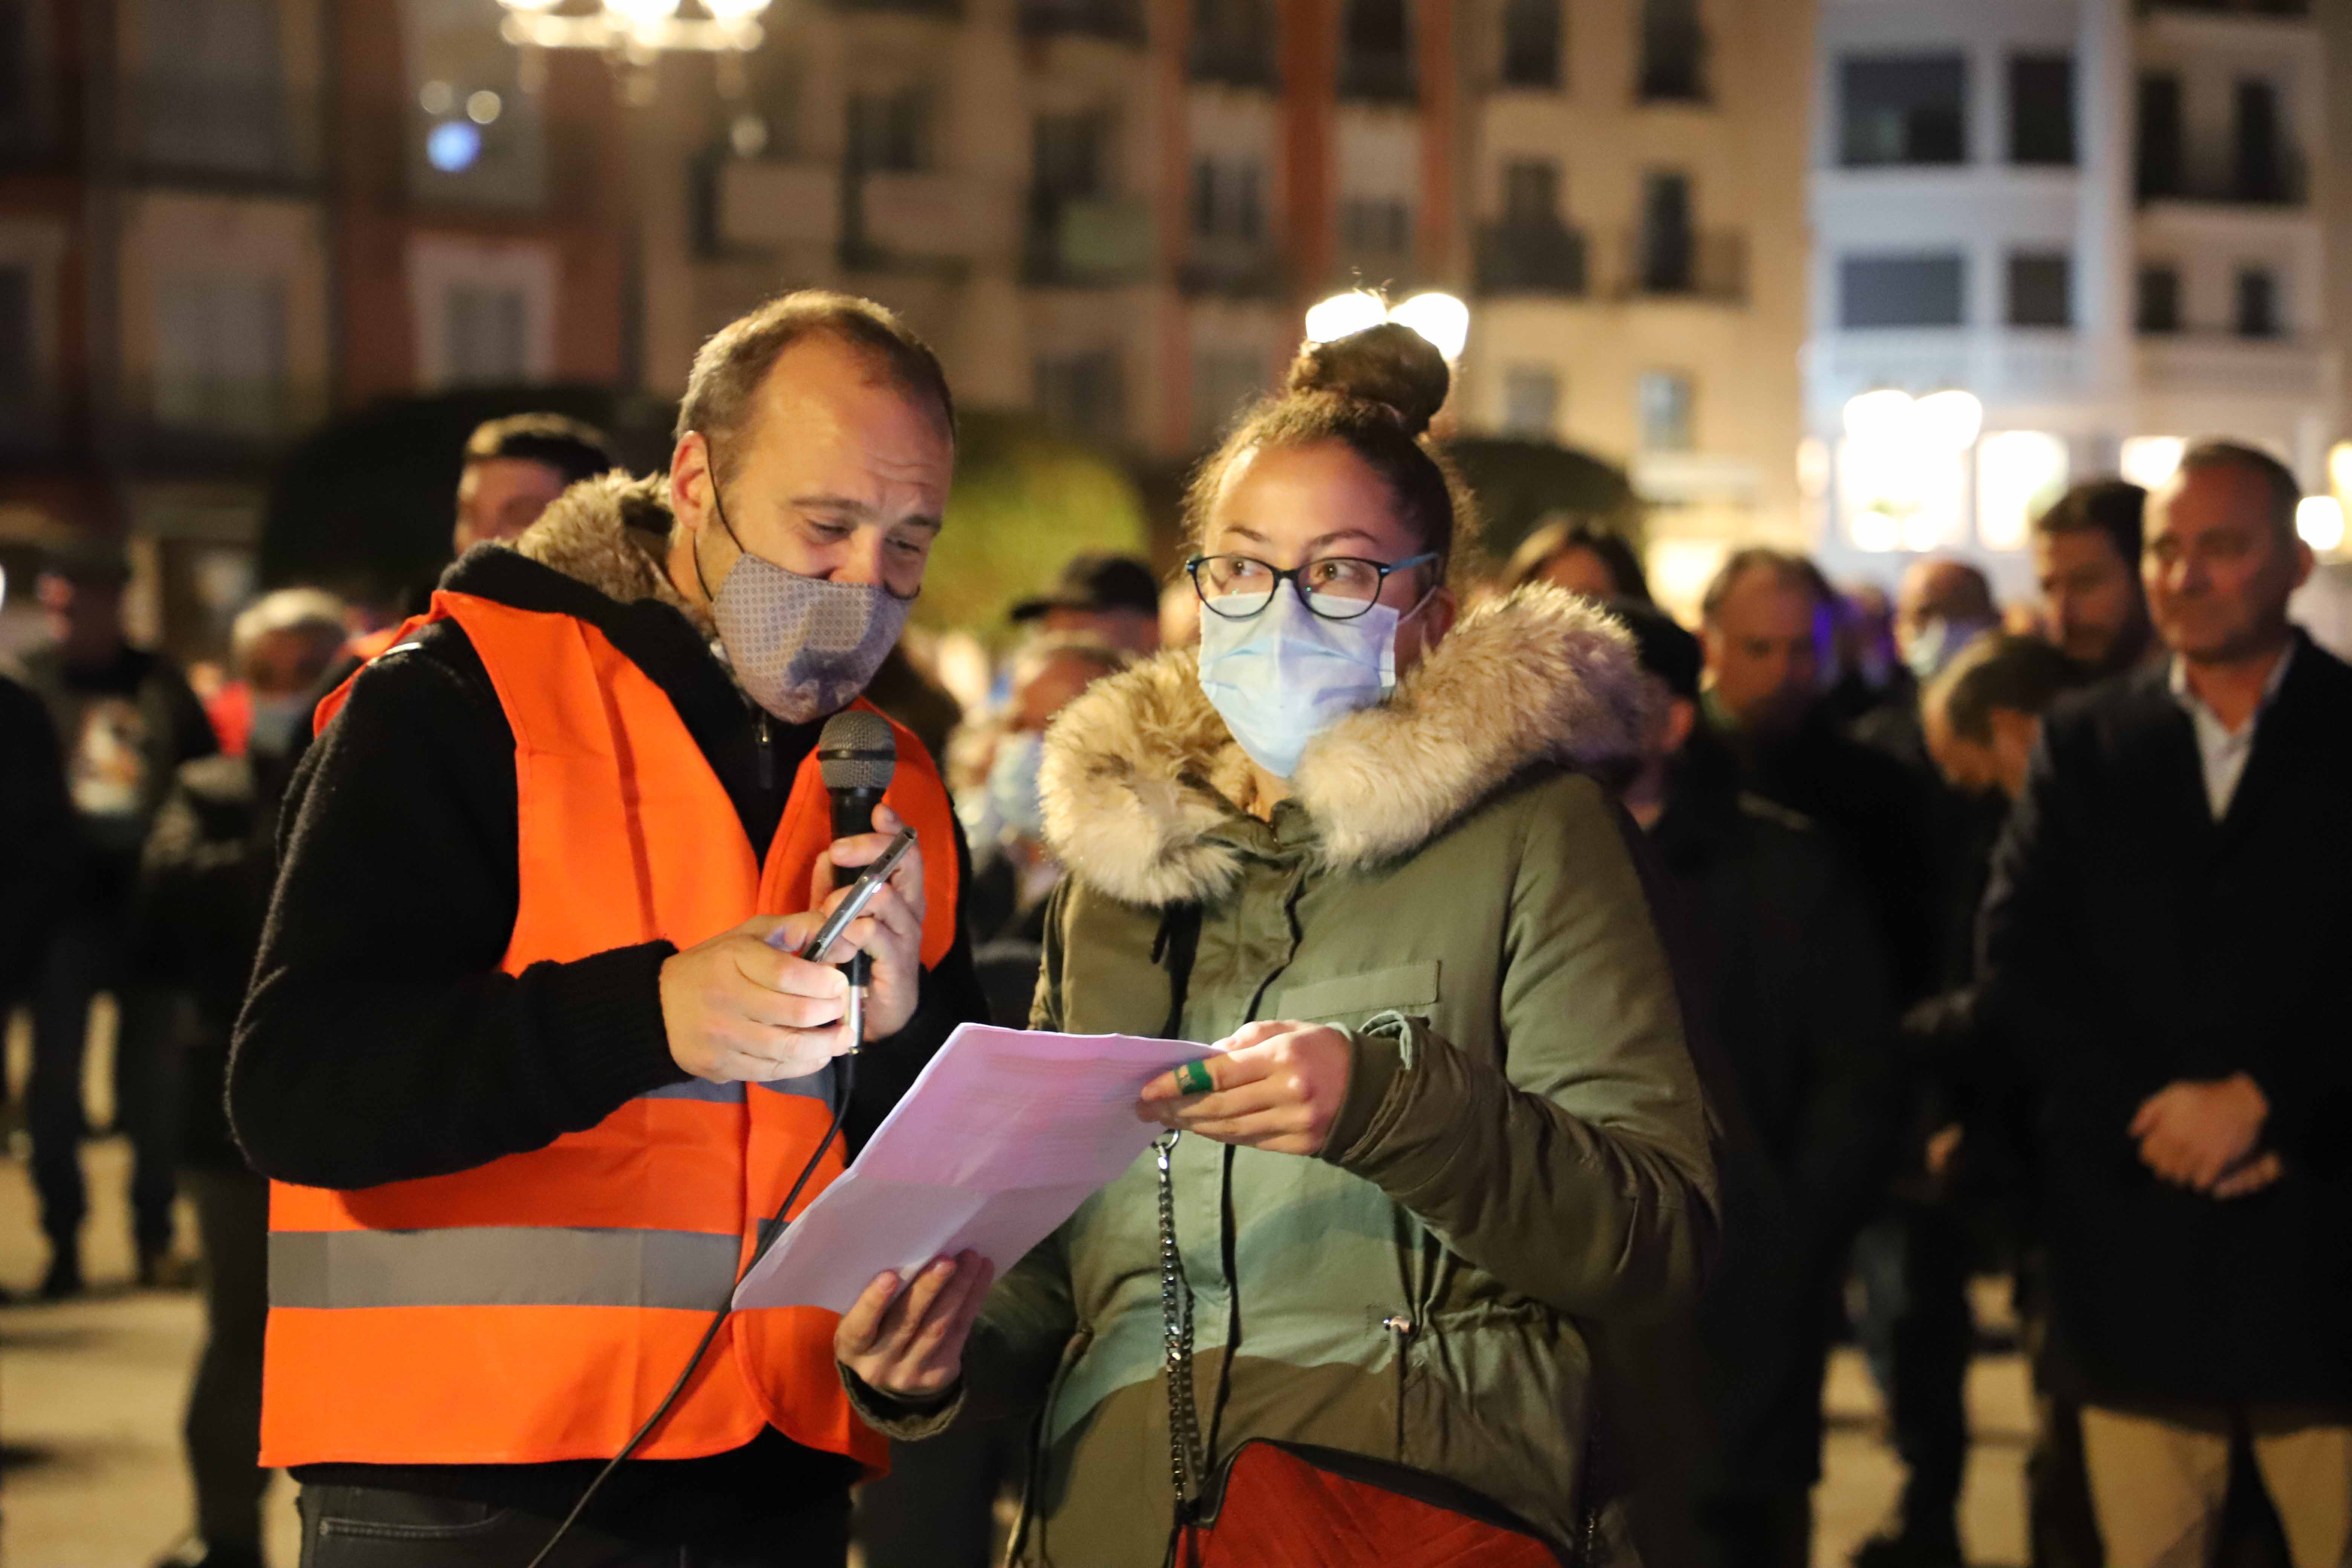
x,y
1012,784
275,722
1285,675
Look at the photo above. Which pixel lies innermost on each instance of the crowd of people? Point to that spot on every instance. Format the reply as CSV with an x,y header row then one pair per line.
x,y
1610,1013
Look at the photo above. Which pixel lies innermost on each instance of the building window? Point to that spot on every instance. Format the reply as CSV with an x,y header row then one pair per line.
x,y
1903,109
1668,263
1376,226
1121,19
2261,162
1530,193
2257,302
1233,42
2160,166
2041,285
1531,43
210,93
19,368
475,136
486,335
2157,307
887,131
2042,109
1376,50
1227,203
1068,156
220,353
1224,384
1673,53
1083,394
1901,291
1531,402
1662,401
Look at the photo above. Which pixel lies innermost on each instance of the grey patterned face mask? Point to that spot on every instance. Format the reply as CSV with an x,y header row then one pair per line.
x,y
802,647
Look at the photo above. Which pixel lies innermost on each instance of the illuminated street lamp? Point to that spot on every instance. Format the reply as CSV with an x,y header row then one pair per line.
x,y
636,30
1441,319
1902,467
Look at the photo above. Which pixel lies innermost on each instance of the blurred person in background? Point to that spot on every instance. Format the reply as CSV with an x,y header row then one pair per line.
x,y
512,469
1581,556
205,893
1914,1259
37,838
1004,817
1113,599
1870,670
1983,716
2166,924
2086,553
1790,970
1760,717
125,721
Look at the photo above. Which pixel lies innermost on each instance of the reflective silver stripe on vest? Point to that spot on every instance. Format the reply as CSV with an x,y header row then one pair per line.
x,y
501,1265
696,1089
818,1085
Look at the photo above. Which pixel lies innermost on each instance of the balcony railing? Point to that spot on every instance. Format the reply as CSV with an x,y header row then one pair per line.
x,y
1119,20
219,420
2281,179
194,127
1531,258
1233,61
2230,8
1243,269
1692,265
1378,77
1089,241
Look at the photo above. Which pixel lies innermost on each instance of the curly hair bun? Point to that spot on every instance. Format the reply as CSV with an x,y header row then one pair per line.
x,y
1390,364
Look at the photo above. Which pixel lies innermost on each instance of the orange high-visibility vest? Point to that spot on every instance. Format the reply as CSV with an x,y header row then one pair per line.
x,y
538,1307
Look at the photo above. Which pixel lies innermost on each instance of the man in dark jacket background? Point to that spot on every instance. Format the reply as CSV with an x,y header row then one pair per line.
x,y
2169,910
125,721
1793,976
204,885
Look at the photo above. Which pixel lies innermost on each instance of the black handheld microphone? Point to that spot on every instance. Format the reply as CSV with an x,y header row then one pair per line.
x,y
856,754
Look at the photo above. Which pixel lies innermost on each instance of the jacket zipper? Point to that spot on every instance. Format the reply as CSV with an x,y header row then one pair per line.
x,y
767,769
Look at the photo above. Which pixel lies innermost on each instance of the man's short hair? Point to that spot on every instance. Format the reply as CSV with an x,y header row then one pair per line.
x,y
730,368
2285,489
1787,568
1664,648
314,613
2111,507
2000,671
575,449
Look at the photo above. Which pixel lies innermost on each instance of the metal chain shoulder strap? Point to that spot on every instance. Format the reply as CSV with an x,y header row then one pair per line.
x,y
1186,1460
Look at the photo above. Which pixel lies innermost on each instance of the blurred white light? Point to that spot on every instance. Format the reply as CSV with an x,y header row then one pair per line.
x,y
529,5
1812,468
735,10
436,98
2339,468
1875,532
2320,521
1948,420
1344,313
748,134
451,146
1679,570
1442,318
2148,460
640,12
2019,474
1881,416
483,107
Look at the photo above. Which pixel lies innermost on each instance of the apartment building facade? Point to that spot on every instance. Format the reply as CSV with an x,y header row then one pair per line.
x,y
2105,221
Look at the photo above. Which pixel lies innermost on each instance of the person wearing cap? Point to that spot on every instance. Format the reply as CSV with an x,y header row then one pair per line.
x,y
1112,599
530,1053
125,721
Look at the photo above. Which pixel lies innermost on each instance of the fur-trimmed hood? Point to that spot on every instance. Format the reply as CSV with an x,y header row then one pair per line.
x,y
1140,772
612,533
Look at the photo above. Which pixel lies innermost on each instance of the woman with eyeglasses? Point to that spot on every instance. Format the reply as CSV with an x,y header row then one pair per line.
x,y
1451,1125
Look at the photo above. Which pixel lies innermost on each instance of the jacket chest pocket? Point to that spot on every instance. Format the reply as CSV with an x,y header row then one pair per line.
x,y
1399,988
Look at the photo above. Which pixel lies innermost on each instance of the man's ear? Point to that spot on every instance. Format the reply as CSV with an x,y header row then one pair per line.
x,y
690,481
1682,718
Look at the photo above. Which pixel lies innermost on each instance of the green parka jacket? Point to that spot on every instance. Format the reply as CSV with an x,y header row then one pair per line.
x,y
1522,1150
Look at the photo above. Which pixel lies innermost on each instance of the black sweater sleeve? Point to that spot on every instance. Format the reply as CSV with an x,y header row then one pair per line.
x,y
381,1041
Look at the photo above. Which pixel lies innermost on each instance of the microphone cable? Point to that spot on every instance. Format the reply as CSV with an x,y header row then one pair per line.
x,y
848,1063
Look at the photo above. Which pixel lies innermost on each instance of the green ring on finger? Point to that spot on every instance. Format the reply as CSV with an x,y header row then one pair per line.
x,y
1193,1077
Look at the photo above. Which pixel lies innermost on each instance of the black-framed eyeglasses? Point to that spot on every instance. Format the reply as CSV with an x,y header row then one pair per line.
x,y
1337,587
